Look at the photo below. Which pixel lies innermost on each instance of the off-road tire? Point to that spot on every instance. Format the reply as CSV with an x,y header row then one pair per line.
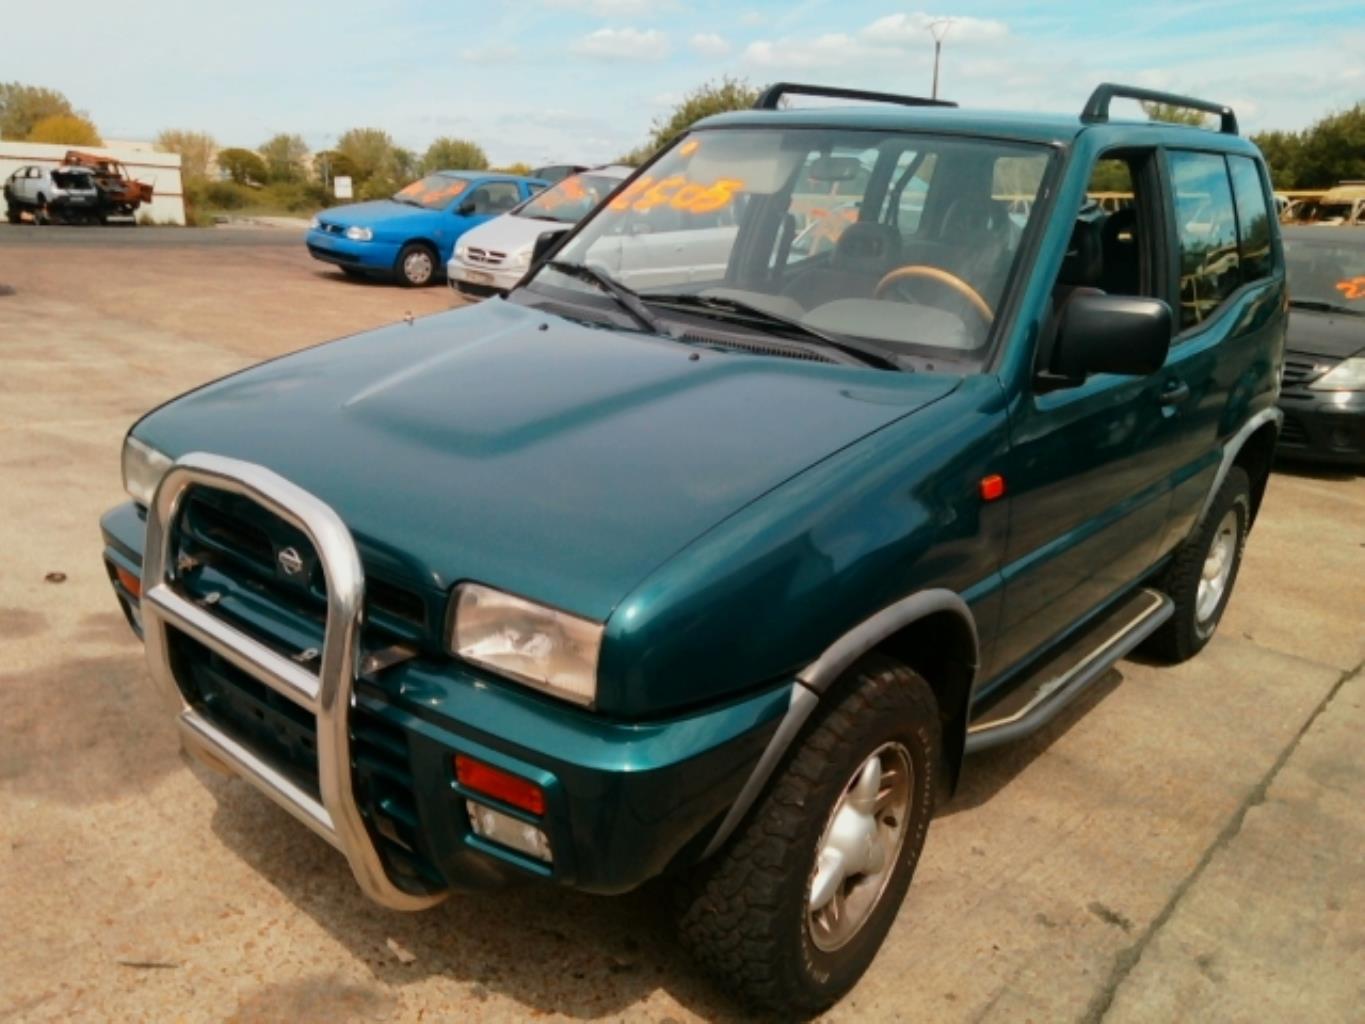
x,y
402,271
743,913
1183,635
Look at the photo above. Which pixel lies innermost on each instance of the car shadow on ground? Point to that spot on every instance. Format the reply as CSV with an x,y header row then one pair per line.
x,y
1305,470
550,950
984,774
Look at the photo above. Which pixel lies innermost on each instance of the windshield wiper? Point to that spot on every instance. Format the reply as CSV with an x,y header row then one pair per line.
x,y
407,202
626,298
749,311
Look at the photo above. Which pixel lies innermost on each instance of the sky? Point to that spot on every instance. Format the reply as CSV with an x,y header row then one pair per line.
x,y
547,81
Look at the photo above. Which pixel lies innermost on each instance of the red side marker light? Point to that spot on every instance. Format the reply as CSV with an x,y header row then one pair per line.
x,y
130,582
500,785
992,487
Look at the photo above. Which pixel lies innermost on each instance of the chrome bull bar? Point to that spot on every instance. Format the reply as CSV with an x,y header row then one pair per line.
x,y
325,693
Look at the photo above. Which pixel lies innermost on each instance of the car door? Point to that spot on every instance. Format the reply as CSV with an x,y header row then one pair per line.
x,y
1088,469
482,203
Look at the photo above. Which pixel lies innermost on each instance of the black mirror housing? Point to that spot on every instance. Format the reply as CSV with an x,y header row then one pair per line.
x,y
545,244
465,208
1111,334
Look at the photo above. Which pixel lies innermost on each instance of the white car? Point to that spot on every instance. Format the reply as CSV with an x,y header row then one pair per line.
x,y
51,193
493,257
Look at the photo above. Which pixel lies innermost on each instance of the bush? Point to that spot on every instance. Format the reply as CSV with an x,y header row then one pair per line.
x,y
228,195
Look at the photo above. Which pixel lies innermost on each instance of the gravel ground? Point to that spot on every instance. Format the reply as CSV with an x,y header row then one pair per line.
x,y
1184,844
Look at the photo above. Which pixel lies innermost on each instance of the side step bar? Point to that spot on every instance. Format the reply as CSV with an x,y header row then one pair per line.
x,y
1036,700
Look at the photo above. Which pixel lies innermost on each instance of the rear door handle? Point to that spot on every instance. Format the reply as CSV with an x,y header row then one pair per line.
x,y
1176,392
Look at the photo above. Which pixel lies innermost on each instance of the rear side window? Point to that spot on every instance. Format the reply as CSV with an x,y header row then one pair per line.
x,y
1206,225
1253,217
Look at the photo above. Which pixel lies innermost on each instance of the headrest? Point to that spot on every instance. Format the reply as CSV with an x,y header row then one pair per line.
x,y
867,243
1084,260
972,217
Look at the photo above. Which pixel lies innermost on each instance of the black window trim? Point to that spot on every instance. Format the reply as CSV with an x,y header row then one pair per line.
x,y
1235,298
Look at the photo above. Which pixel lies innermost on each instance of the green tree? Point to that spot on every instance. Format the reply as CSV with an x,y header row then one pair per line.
x,y
1174,113
243,166
369,150
520,167
1333,149
284,157
23,106
329,165
65,129
707,99
196,149
446,154
1283,153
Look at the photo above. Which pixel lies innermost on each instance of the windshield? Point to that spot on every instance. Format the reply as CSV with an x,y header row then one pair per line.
x,y
433,192
570,200
906,241
1328,272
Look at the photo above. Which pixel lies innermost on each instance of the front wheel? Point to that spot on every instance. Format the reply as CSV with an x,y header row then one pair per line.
x,y
1200,577
416,265
792,911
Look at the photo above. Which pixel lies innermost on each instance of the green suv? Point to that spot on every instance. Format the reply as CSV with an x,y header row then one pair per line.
x,y
713,561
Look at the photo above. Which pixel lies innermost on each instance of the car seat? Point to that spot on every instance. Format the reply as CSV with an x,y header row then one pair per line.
x,y
862,256
1122,271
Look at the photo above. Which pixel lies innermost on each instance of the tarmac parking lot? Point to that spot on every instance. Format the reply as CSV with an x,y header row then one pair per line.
x,y
1184,844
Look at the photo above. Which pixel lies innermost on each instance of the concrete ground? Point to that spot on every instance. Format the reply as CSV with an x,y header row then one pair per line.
x,y
1185,845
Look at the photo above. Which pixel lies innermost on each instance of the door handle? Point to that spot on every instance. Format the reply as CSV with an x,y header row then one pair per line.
x,y
1176,392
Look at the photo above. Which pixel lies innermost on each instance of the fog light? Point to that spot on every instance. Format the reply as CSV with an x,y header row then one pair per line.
x,y
509,831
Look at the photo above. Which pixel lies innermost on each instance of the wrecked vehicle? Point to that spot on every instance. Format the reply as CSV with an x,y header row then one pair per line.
x,y
120,194
51,195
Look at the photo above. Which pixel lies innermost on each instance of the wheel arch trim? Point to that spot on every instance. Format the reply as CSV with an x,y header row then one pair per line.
x,y
820,674
1231,449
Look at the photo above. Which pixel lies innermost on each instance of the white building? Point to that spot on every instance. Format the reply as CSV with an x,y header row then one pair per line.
x,y
160,170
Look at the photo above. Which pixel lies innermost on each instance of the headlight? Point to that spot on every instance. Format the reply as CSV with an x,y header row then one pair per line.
x,y
1347,375
314,224
461,251
359,234
143,468
520,258
539,646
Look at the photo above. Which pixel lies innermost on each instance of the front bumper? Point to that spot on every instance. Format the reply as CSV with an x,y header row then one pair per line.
x,y
1322,426
623,800
481,280
373,255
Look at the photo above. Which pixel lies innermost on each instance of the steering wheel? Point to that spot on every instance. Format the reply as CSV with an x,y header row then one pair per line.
x,y
938,276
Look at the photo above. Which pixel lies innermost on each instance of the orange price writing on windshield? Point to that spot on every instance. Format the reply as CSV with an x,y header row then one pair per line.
x,y
677,192
1353,288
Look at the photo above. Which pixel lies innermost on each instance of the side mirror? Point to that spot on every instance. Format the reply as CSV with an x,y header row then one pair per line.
x,y
546,243
1111,334
465,208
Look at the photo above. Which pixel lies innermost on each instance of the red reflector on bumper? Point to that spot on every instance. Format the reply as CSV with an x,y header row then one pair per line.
x,y
131,583
510,789
992,487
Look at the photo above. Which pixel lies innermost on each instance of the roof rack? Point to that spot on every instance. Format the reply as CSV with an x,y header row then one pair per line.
x,y
769,97
1097,107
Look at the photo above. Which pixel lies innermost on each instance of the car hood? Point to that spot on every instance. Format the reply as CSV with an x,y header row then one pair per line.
x,y
1314,333
374,214
549,458
510,232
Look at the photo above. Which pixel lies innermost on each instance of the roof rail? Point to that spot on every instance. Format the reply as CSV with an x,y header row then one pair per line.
x,y
769,97
1097,107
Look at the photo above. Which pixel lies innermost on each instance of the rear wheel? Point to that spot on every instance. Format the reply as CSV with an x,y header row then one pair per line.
x,y
792,911
1200,577
41,213
13,214
416,265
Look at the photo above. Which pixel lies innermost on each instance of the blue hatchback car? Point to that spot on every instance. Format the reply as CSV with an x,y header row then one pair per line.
x,y
410,236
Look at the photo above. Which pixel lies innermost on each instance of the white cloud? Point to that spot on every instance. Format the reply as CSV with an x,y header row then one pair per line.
x,y
710,44
493,53
623,44
832,50
913,29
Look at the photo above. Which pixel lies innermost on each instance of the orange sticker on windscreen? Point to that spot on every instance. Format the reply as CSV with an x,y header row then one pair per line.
x,y
1353,287
675,191
430,191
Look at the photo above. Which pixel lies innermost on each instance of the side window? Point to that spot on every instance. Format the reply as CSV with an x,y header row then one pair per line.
x,y
1206,227
1253,217
495,197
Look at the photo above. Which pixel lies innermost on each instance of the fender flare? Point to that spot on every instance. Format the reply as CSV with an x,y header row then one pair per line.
x,y
820,674
1231,449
